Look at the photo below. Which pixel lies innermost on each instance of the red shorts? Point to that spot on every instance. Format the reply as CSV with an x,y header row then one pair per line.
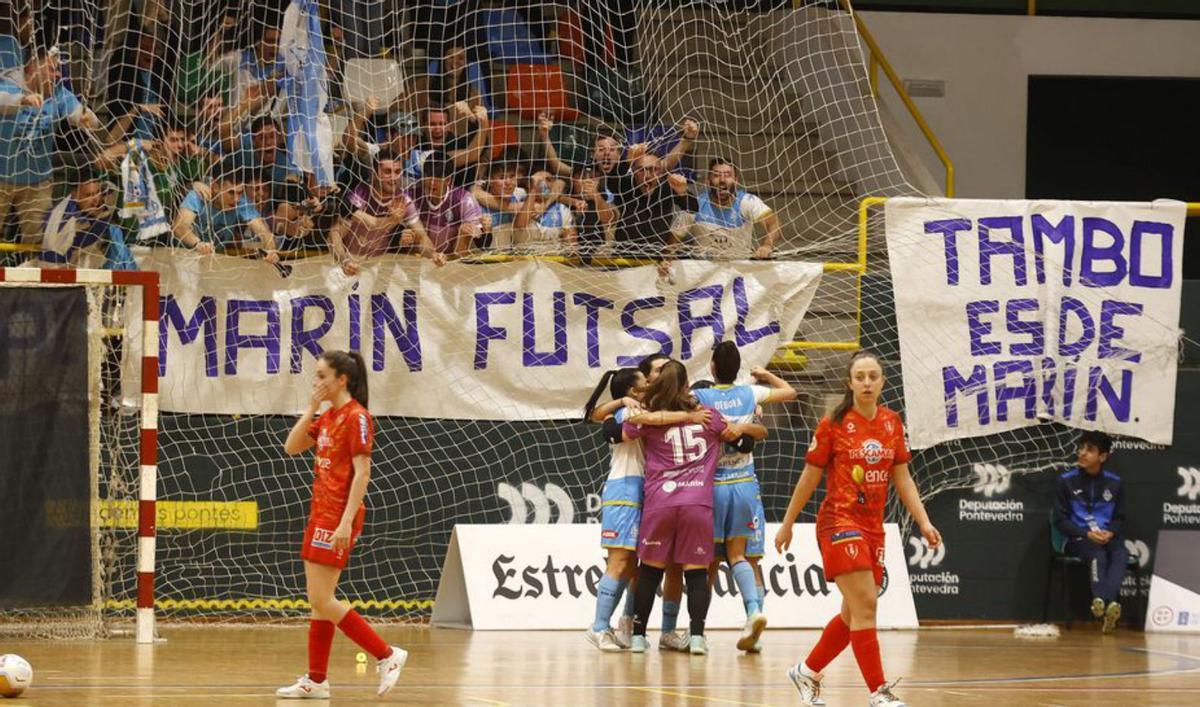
x,y
318,541
850,550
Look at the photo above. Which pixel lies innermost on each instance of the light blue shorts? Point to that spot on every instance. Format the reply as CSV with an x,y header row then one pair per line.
x,y
621,513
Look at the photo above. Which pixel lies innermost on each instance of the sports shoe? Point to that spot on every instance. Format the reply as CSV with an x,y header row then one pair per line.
x,y
624,632
698,645
752,631
389,669
807,683
883,697
604,640
757,647
305,689
676,640
1111,615
639,644
1098,607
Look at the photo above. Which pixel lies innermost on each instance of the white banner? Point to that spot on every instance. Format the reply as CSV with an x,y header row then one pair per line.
x,y
544,577
520,340
1015,312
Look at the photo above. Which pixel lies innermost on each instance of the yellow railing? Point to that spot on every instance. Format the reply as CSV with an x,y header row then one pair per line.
x,y
877,61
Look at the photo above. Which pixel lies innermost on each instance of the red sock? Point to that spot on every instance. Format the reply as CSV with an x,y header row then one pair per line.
x,y
833,641
357,630
866,652
320,638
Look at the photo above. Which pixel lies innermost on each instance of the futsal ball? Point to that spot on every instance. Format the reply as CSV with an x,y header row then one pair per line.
x,y
15,675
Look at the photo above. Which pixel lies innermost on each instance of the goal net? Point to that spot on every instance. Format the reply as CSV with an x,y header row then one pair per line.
x,y
542,115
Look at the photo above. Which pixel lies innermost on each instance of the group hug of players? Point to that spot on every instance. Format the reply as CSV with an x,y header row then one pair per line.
x,y
682,496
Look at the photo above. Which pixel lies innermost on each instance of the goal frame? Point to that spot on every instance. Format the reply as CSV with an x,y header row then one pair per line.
x,y
148,428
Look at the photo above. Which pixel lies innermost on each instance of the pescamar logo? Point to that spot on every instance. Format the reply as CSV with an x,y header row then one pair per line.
x,y
991,480
540,500
924,557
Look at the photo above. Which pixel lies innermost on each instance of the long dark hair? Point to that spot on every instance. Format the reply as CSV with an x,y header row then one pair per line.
x,y
646,363
670,390
351,365
619,382
848,397
727,361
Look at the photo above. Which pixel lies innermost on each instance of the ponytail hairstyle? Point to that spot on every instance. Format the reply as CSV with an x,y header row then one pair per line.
x,y
670,390
619,382
351,365
726,362
848,397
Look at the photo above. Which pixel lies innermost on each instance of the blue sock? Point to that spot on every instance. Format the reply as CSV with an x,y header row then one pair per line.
x,y
743,575
608,592
762,598
630,599
670,616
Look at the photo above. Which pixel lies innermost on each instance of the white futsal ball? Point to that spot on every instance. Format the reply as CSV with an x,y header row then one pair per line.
x,y
16,674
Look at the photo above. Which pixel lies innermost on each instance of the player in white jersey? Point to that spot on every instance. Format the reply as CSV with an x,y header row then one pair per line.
x,y
621,499
737,501
722,227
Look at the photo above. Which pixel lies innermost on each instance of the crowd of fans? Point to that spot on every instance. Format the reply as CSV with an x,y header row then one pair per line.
x,y
418,175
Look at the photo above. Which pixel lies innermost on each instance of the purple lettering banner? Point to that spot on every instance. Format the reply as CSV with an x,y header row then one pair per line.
x,y
1011,313
500,341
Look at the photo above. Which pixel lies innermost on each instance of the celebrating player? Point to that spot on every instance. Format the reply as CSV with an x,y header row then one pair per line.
x,y
343,436
677,521
737,502
621,500
862,445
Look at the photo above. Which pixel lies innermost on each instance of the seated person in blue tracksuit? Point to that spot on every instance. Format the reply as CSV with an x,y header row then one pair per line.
x,y
1089,510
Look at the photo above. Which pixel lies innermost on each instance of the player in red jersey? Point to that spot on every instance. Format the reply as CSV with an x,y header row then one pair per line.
x,y
862,447
343,436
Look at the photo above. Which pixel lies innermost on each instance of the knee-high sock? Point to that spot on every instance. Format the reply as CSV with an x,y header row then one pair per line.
x,y
630,600
833,641
762,598
866,652
670,615
320,639
743,575
357,630
608,593
647,585
699,596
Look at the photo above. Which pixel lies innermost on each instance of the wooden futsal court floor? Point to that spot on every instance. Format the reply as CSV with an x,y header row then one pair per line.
x,y
244,665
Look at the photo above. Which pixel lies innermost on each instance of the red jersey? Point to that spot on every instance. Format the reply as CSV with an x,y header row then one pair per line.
x,y
858,455
341,434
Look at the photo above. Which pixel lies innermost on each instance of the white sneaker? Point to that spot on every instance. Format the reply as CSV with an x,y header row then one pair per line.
x,y
389,669
1098,608
757,647
638,644
807,683
752,631
883,697
604,640
305,689
676,640
698,645
624,632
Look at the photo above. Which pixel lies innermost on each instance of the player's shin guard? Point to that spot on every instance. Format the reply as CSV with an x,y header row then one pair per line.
x,y
866,653
357,630
647,585
833,641
320,639
699,596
